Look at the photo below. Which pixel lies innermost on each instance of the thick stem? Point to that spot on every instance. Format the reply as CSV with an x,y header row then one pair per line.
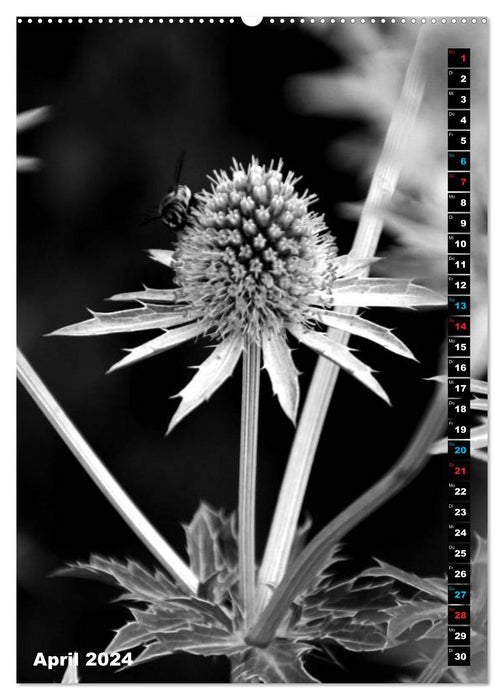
x,y
290,500
314,557
297,473
248,471
103,479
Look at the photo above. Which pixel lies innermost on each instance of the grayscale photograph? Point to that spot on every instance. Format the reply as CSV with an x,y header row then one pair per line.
x,y
252,350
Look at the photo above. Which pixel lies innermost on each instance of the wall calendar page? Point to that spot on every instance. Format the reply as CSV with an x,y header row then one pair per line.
x,y
252,349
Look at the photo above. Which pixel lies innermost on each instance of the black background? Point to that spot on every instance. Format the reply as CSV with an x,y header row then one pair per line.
x,y
127,100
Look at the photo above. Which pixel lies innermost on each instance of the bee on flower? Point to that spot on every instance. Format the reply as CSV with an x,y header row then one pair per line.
x,y
255,265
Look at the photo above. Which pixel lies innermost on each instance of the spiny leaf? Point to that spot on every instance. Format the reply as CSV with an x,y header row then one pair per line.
x,y
141,630
188,624
366,329
139,583
350,613
133,634
182,615
163,342
407,614
433,586
211,542
165,257
213,553
280,662
346,598
348,265
146,317
342,356
211,374
208,611
148,294
202,542
202,642
360,636
282,372
377,291
437,631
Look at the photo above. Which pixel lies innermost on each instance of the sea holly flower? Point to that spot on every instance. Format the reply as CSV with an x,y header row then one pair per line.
x,y
254,265
334,612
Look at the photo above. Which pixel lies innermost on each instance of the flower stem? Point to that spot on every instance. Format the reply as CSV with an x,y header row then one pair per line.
x,y
315,556
103,478
248,470
382,187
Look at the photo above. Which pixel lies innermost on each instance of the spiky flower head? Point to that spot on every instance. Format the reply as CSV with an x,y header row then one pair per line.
x,y
253,264
254,254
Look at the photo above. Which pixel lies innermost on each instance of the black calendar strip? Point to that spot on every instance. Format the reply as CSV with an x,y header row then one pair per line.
x,y
459,355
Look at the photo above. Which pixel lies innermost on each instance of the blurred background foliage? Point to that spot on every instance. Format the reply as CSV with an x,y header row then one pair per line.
x,y
126,101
